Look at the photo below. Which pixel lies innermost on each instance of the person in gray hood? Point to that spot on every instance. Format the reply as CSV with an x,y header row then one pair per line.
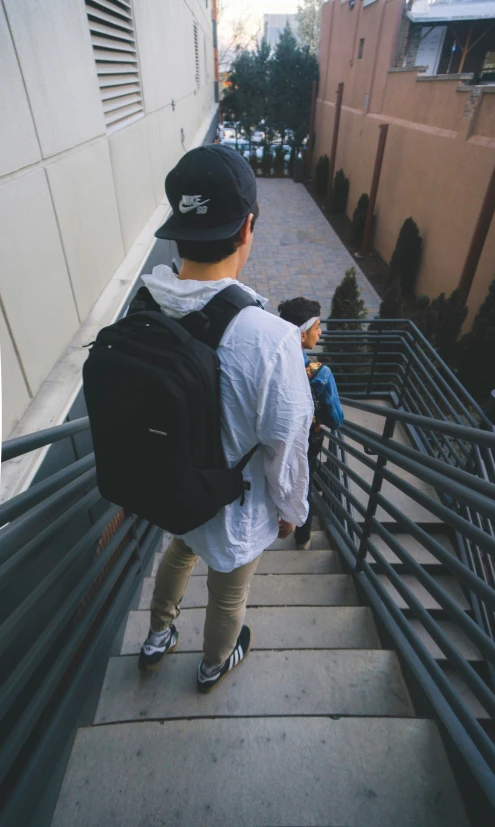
x,y
265,399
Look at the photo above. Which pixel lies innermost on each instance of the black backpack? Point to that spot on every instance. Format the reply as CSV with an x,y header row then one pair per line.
x,y
152,389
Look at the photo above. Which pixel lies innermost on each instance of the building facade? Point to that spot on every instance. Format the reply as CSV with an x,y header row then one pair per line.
x,y
100,99
440,150
274,24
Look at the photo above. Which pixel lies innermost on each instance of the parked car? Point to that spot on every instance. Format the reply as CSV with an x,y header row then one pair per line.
x,y
241,145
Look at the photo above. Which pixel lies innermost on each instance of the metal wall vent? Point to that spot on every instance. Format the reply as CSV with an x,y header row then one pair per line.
x,y
111,26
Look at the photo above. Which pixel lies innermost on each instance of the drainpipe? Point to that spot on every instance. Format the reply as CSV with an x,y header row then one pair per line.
x,y
374,187
215,51
309,154
333,153
479,237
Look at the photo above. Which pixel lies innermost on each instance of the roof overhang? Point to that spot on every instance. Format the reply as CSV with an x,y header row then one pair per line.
x,y
423,11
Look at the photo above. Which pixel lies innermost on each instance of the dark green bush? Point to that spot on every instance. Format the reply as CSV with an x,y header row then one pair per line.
x,y
406,258
340,194
475,354
321,174
442,323
391,304
266,161
278,165
347,302
359,220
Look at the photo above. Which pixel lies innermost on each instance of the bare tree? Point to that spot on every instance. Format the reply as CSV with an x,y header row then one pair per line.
x,y
308,23
235,33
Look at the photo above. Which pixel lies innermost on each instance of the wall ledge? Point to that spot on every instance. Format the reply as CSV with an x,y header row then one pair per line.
x,y
432,78
401,70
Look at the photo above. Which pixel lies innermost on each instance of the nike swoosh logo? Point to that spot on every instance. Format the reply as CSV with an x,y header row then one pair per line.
x,y
183,209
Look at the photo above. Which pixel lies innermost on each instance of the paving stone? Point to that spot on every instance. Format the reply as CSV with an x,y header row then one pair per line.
x,y
295,250
299,627
342,682
274,590
261,771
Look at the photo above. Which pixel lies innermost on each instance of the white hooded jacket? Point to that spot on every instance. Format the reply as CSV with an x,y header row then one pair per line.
x,y
266,399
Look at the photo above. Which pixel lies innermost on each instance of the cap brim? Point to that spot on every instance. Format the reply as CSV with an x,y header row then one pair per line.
x,y
175,231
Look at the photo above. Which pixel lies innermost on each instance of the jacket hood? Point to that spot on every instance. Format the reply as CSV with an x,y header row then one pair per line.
x,y
178,297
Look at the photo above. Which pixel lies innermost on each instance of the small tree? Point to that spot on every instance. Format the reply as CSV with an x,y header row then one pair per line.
x,y
475,357
391,304
418,311
359,220
308,23
340,193
292,70
321,174
404,264
253,161
442,323
347,302
278,164
266,161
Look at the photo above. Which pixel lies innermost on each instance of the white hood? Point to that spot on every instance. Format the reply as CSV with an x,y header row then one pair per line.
x,y
178,297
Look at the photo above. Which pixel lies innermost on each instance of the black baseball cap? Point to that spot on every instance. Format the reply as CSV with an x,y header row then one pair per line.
x,y
211,191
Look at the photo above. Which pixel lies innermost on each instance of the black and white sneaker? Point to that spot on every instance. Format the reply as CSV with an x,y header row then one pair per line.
x,y
156,645
208,679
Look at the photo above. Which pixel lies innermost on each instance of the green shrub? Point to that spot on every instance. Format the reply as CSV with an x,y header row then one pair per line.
x,y
405,261
278,165
253,161
321,174
442,323
475,354
359,220
347,302
340,194
391,304
292,162
266,161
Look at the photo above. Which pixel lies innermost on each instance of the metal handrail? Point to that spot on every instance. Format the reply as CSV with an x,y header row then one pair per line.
x,y
452,452
92,578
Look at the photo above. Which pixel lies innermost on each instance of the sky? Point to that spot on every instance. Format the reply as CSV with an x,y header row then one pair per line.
x,y
250,11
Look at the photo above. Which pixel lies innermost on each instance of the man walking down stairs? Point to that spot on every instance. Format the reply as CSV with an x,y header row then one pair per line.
x,y
317,729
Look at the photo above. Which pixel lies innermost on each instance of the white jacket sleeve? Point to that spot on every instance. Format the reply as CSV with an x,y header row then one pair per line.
x,y
284,416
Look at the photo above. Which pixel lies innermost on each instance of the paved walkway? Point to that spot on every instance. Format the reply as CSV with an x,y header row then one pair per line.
x,y
296,252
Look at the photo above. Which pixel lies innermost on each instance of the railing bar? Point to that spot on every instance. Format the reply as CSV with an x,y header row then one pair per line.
x,y
357,528
13,624
445,514
461,476
19,734
451,710
47,749
472,630
475,435
16,506
16,533
41,645
8,568
471,677
444,483
24,444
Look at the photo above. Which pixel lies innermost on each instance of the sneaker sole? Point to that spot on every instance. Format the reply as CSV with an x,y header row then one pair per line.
x,y
205,690
143,667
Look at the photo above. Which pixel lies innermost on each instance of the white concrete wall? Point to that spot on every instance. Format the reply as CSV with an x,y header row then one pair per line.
x,y
74,198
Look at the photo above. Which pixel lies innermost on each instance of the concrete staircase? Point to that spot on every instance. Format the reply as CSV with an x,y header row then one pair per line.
x,y
316,728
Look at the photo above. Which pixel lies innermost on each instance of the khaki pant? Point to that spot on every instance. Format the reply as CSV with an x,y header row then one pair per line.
x,y
227,597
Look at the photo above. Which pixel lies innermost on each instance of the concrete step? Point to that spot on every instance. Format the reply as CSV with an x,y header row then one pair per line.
x,y
273,590
450,585
405,504
460,640
261,771
299,627
292,682
418,552
282,562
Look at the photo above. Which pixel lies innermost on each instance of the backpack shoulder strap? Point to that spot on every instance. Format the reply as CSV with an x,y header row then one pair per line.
x,y
209,324
143,300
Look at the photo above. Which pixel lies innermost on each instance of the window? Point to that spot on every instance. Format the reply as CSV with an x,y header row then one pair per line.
x,y
360,48
111,26
206,60
196,55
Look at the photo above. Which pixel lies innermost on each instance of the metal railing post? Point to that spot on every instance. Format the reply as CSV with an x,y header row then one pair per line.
x,y
376,486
